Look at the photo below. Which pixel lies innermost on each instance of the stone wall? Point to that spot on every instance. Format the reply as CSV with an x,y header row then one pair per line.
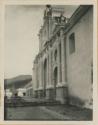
x,y
79,62
73,84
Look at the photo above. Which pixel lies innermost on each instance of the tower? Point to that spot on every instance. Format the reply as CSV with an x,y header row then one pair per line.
x,y
48,12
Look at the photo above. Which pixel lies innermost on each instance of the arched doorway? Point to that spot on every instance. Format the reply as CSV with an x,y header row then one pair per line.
x,y
55,80
45,76
55,55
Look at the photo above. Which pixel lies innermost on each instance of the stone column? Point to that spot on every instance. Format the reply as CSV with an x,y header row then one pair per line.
x,y
34,78
47,69
38,78
40,72
52,82
42,78
63,63
50,67
35,72
58,52
41,75
37,75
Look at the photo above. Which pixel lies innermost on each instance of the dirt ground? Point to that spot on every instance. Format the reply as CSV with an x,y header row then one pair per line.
x,y
73,112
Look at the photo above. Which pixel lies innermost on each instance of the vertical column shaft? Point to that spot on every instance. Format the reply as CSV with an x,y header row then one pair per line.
x,y
47,69
58,51
50,67
40,73
63,57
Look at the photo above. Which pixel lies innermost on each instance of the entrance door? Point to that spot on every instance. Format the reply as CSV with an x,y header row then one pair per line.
x,y
55,81
45,76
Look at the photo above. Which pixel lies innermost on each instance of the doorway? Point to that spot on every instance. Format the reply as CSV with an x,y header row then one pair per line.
x,y
55,80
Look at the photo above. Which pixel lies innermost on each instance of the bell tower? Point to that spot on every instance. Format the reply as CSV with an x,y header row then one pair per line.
x,y
48,12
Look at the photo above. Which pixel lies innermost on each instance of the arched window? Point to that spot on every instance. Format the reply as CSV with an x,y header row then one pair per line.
x,y
55,55
55,75
72,43
45,76
55,80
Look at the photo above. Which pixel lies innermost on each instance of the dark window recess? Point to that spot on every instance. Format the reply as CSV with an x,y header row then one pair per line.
x,y
58,34
72,43
55,55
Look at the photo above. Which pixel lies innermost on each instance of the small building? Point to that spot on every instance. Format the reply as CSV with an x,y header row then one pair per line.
x,y
21,92
63,68
8,93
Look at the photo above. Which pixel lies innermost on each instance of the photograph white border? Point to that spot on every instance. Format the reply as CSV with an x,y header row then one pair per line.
x,y
95,87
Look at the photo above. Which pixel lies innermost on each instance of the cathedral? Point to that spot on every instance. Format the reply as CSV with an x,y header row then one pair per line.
x,y
63,68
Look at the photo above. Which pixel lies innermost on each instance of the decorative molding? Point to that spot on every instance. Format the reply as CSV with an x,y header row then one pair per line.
x,y
49,86
61,84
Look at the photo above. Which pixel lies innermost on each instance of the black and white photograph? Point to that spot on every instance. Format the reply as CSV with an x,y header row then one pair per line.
x,y
48,64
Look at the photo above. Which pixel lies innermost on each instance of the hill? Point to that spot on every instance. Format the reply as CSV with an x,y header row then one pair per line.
x,y
18,81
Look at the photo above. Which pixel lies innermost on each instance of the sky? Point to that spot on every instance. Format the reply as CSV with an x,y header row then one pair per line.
x,y
22,25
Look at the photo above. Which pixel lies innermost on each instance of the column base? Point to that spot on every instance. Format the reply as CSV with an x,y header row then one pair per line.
x,y
62,95
50,94
36,93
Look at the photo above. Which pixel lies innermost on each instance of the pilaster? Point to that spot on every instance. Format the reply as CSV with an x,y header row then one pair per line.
x,y
63,58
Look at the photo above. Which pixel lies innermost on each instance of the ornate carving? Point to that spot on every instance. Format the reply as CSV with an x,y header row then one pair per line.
x,y
48,11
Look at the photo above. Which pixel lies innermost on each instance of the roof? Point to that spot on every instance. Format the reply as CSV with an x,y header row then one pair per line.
x,y
76,16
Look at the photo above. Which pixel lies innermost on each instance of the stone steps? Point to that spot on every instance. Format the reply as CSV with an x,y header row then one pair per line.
x,y
22,103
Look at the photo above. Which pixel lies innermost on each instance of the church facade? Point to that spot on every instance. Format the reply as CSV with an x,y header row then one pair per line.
x,y
63,68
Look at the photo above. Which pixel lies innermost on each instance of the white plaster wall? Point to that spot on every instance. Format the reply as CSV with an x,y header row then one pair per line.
x,y
79,63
